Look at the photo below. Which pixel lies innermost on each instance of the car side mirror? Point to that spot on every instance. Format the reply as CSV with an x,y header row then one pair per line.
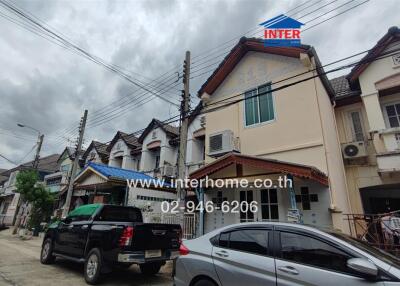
x,y
364,267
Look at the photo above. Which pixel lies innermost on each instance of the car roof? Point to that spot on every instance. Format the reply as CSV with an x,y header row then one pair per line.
x,y
320,230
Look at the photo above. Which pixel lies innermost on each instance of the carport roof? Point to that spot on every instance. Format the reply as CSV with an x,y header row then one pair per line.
x,y
297,170
119,174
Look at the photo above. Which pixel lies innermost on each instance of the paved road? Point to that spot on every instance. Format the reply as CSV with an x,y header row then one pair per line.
x,y
20,265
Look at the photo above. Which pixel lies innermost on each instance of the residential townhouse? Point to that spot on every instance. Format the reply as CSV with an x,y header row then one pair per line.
x,y
291,131
96,152
9,198
159,149
368,119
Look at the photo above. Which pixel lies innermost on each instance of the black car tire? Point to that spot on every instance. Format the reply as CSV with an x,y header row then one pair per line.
x,y
93,266
204,282
150,268
46,254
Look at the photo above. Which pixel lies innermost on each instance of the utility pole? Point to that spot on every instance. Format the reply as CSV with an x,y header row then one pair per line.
x,y
37,156
75,164
183,133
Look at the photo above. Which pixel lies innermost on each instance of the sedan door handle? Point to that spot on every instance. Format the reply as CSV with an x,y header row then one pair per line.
x,y
289,270
222,253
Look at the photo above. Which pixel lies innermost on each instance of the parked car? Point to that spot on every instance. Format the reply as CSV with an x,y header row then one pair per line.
x,y
105,236
282,254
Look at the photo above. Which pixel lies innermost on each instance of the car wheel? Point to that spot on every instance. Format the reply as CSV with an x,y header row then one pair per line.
x,y
46,254
150,268
93,264
204,282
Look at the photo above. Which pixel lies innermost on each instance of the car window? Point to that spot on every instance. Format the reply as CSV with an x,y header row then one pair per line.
x,y
246,240
311,251
120,214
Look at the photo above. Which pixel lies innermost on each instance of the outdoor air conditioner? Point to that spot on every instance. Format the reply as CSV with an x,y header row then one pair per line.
x,y
168,171
223,142
354,150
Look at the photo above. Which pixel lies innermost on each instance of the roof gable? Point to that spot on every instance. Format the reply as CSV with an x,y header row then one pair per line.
x,y
172,131
391,36
129,139
257,45
100,148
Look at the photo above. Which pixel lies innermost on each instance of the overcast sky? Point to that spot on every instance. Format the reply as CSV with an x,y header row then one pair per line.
x,y
48,87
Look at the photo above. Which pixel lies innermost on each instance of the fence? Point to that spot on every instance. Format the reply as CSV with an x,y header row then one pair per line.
x,y
379,230
189,227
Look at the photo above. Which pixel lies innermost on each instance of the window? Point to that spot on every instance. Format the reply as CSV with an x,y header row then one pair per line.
x,y
305,198
219,199
157,161
246,196
259,105
393,114
356,126
246,240
303,249
269,204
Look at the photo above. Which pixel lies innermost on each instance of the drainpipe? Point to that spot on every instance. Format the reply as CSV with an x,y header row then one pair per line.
x,y
293,213
200,192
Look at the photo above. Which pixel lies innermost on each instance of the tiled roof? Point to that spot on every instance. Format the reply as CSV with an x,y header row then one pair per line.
x,y
47,164
173,131
124,174
342,87
130,139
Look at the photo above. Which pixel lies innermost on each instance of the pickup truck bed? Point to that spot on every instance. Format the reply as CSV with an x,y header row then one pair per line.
x,y
106,236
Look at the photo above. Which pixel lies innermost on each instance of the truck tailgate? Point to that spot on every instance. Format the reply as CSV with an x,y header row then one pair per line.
x,y
149,236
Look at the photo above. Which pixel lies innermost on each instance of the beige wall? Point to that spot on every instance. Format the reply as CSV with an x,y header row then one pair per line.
x,y
304,129
364,173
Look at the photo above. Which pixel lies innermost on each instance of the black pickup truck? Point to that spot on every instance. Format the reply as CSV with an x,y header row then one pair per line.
x,y
107,236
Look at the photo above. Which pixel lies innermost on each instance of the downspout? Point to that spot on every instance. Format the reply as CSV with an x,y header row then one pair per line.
x,y
331,195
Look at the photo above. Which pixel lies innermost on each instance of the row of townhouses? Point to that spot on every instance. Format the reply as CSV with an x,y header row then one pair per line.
x,y
338,139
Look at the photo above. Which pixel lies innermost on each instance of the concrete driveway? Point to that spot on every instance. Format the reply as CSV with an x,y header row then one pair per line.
x,y
20,265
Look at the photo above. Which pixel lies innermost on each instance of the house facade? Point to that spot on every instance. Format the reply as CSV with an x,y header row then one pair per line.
x,y
9,198
97,152
159,149
368,119
267,134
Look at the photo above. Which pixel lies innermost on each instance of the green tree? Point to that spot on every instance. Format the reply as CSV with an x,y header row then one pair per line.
x,y
37,195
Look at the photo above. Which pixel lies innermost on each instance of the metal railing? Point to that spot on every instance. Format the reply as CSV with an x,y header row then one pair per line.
x,y
379,230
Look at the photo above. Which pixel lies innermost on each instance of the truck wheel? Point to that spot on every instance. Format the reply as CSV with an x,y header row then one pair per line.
x,y
46,254
93,264
150,268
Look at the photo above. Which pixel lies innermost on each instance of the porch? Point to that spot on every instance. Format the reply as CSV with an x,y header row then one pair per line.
x,y
308,195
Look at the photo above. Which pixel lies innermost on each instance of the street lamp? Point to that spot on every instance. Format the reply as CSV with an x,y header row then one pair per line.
x,y
39,143
29,127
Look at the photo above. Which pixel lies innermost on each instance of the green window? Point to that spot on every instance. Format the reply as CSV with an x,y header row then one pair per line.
x,y
259,105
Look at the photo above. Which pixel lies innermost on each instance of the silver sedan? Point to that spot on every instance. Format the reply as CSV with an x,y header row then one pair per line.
x,y
282,254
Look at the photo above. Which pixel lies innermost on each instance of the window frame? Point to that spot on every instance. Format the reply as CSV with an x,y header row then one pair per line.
x,y
353,132
258,106
386,116
270,243
278,250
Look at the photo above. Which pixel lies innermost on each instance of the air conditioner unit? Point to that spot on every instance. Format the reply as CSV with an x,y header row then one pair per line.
x,y
168,171
354,150
223,142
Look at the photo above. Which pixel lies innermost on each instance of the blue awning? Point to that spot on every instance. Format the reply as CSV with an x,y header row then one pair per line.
x,y
125,174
